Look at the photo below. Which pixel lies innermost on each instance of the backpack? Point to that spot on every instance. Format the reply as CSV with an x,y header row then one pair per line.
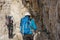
x,y
25,25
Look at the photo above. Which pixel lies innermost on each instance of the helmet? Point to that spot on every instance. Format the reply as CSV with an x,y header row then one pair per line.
x,y
27,13
10,16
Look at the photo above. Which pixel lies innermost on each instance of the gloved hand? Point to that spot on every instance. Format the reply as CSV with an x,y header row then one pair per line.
x,y
36,32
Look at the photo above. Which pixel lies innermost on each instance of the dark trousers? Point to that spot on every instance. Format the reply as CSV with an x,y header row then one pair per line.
x,y
10,31
28,37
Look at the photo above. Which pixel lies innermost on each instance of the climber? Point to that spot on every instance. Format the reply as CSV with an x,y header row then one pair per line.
x,y
27,24
9,23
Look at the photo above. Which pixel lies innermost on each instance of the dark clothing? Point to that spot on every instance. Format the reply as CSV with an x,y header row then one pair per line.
x,y
10,31
9,23
28,37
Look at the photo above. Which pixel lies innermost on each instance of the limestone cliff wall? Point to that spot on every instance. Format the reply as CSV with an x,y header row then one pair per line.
x,y
14,7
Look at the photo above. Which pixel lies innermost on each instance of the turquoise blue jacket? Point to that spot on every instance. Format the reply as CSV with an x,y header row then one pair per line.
x,y
27,30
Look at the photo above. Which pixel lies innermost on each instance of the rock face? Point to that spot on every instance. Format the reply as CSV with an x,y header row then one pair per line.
x,y
45,12
17,9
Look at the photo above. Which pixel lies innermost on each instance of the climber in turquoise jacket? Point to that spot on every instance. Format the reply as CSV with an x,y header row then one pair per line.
x,y
27,24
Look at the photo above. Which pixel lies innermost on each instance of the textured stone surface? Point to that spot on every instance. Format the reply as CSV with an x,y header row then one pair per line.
x,y
16,8
48,10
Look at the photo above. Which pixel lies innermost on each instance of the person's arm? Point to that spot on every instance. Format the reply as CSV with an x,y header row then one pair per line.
x,y
34,26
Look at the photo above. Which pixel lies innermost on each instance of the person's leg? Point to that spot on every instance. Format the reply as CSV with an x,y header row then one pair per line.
x,y
11,32
30,37
8,32
27,37
24,37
